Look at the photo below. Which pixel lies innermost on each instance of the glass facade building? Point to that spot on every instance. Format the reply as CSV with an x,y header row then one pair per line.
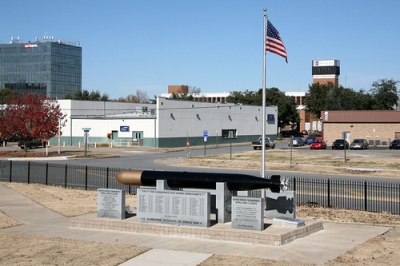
x,y
49,67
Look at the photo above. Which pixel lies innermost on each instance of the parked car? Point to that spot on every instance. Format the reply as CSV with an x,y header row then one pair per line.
x,y
13,138
318,144
297,142
395,144
340,144
3,141
359,144
257,144
32,143
309,140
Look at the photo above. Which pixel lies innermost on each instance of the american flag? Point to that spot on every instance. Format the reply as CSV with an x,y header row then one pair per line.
x,y
274,43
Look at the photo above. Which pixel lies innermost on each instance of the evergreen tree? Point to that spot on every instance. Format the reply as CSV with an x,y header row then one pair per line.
x,y
384,93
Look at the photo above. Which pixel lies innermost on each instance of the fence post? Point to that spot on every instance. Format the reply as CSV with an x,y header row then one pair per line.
x,y
86,177
29,171
65,176
11,171
294,183
329,193
107,178
365,196
47,173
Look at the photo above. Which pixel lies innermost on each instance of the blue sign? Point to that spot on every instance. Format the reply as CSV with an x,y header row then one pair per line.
x,y
270,117
124,128
205,133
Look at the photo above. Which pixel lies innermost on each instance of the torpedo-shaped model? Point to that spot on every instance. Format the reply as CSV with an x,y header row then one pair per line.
x,y
235,182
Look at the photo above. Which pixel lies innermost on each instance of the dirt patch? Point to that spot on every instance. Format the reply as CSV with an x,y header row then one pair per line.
x,y
66,201
42,153
295,161
34,250
6,221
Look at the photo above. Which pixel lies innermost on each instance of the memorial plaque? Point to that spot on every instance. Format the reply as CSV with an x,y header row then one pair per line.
x,y
173,207
247,213
111,203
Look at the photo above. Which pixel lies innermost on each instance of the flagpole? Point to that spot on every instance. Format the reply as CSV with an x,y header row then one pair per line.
x,y
263,102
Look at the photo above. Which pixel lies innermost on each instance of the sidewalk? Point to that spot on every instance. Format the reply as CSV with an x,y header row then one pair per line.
x,y
317,248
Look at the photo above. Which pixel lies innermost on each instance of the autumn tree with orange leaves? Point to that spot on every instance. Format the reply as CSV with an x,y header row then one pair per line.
x,y
32,116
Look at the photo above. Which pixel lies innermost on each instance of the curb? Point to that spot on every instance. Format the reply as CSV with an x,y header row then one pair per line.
x,y
41,158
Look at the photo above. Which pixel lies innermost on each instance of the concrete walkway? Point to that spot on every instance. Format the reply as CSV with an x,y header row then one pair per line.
x,y
318,248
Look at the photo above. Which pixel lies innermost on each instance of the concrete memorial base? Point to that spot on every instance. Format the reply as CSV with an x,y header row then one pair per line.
x,y
270,235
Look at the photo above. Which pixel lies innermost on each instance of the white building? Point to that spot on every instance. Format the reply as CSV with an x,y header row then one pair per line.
x,y
168,123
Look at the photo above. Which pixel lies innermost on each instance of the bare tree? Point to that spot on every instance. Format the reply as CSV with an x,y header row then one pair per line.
x,y
193,90
128,99
141,96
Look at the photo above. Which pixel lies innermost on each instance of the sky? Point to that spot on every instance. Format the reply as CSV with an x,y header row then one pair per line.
x,y
213,45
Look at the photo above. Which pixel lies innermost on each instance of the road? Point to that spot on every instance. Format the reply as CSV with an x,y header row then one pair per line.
x,y
144,158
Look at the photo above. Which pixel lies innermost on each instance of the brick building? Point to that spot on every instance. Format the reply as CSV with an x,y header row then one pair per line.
x,y
379,127
326,72
198,97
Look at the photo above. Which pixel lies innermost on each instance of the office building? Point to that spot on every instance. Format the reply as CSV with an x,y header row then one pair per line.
x,y
52,68
326,72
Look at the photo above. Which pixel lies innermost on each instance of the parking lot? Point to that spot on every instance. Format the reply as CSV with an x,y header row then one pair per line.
x,y
380,151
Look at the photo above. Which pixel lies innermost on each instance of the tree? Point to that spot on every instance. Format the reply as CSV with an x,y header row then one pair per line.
x,y
246,97
190,96
362,101
287,112
32,116
88,96
384,92
193,90
382,96
323,97
141,96
128,99
340,98
183,96
316,97
6,95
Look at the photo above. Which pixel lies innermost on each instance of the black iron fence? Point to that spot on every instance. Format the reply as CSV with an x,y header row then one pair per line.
x,y
72,176
354,195
347,194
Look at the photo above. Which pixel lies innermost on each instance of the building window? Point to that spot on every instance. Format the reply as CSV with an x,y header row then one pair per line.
x,y
229,133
